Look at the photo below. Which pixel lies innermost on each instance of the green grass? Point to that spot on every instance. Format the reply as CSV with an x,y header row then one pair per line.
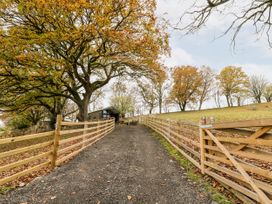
x,y
5,189
249,112
193,173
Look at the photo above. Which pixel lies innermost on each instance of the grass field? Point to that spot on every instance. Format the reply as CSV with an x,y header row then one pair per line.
x,y
254,111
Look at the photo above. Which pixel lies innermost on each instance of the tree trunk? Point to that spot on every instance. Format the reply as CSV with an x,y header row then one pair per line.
x,y
259,100
58,107
182,106
238,101
83,108
160,105
83,112
200,104
201,101
150,110
231,101
53,118
228,100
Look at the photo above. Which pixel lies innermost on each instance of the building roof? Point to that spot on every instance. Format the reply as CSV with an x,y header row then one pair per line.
x,y
110,109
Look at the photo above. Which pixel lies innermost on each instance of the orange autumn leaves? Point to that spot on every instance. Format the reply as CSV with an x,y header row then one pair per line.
x,y
234,83
187,81
80,44
194,85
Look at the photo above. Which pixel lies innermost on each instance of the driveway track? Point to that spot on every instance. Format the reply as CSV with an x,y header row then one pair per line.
x,y
127,166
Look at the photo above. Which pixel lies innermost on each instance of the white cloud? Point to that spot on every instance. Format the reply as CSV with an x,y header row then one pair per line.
x,y
260,42
171,10
253,55
257,69
179,57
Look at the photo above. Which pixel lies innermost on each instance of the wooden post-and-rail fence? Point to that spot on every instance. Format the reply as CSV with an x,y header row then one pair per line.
x,y
24,155
236,154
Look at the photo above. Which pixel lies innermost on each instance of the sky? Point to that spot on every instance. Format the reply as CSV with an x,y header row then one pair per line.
x,y
207,48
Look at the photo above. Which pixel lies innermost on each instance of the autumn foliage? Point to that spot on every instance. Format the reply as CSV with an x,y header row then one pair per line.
x,y
69,49
233,83
187,81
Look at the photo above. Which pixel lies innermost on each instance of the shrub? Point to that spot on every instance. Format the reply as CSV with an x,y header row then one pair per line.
x,y
19,122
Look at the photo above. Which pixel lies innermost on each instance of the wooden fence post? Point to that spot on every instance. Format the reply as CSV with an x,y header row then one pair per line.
x,y
84,133
98,127
56,141
169,128
202,145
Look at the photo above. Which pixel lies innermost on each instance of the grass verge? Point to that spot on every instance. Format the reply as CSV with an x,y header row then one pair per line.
x,y
5,189
249,112
194,174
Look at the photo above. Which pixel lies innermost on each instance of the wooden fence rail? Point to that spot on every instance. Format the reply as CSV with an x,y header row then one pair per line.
x,y
23,155
236,154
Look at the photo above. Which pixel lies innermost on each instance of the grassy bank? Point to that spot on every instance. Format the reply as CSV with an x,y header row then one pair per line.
x,y
249,112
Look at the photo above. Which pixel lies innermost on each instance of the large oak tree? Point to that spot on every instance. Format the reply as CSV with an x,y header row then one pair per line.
x,y
71,48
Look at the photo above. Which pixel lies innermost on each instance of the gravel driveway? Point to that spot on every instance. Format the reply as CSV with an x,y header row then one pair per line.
x,y
127,166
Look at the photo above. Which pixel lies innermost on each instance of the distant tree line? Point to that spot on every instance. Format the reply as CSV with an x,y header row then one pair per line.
x,y
190,87
195,86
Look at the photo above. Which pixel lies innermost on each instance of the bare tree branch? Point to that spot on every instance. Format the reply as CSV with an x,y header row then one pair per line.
x,y
257,13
